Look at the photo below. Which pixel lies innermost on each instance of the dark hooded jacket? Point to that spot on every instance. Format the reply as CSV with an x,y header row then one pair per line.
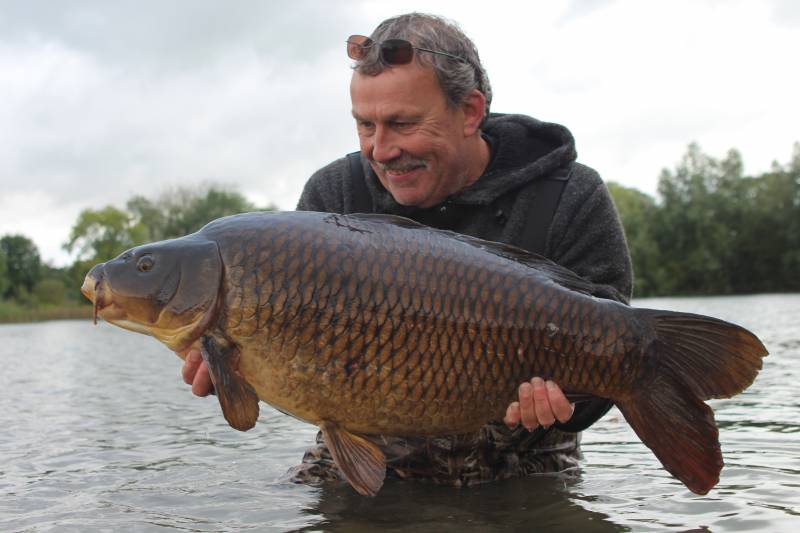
x,y
585,234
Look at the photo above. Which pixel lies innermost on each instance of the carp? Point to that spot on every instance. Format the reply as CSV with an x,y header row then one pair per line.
x,y
377,325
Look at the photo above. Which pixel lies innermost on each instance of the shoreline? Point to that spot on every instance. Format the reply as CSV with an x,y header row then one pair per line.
x,y
17,314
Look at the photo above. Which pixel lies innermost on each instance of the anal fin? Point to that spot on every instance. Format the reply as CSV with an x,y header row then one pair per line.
x,y
362,463
237,398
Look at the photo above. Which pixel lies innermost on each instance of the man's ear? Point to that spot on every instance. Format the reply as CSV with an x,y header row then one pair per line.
x,y
473,107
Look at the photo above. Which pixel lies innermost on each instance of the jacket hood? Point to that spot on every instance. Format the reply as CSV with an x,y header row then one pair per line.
x,y
523,149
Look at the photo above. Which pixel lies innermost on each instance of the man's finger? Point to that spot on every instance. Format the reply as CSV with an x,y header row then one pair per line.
x,y
526,408
541,402
202,385
559,404
512,415
190,365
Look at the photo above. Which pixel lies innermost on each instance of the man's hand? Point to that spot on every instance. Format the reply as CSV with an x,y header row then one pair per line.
x,y
195,373
540,404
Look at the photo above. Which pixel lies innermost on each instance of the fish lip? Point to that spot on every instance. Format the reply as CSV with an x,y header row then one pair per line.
x,y
88,287
97,291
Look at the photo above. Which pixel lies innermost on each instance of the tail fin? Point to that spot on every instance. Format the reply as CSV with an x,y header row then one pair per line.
x,y
694,358
716,359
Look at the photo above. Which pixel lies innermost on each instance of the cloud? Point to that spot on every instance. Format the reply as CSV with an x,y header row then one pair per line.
x,y
786,13
577,9
180,34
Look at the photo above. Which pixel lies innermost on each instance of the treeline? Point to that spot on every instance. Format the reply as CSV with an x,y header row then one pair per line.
x,y
30,289
710,230
714,230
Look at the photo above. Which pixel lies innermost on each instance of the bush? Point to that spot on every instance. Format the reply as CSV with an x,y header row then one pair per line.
x,y
50,291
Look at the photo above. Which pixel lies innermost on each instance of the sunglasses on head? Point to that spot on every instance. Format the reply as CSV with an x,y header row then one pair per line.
x,y
393,51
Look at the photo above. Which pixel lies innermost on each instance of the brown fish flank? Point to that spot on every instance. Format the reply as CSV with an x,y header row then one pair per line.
x,y
369,324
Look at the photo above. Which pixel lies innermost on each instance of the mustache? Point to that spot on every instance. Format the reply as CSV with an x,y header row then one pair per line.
x,y
402,164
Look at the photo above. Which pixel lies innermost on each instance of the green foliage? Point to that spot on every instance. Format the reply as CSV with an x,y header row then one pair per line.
x,y
11,311
637,212
22,266
50,291
3,274
100,235
715,231
181,211
103,234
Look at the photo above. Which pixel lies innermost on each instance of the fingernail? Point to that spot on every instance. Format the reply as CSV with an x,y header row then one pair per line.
x,y
194,357
550,385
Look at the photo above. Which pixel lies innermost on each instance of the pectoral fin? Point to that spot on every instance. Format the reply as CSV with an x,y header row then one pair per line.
x,y
237,398
362,462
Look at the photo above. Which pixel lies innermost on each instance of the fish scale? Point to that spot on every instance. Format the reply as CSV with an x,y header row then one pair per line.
x,y
373,295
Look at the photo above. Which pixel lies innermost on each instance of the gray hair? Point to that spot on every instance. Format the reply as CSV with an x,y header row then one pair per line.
x,y
457,78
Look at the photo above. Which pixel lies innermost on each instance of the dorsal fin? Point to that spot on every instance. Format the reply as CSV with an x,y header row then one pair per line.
x,y
563,276
395,220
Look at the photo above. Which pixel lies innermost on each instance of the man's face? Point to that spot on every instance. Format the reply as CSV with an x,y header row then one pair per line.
x,y
412,139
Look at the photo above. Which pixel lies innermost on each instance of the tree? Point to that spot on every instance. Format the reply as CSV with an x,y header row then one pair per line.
x,y
180,211
50,291
3,274
149,216
22,263
693,226
637,212
794,164
100,235
202,209
719,231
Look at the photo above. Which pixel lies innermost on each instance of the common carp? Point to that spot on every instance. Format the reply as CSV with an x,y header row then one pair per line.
x,y
377,325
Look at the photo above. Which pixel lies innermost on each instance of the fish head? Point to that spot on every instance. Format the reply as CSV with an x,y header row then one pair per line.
x,y
167,289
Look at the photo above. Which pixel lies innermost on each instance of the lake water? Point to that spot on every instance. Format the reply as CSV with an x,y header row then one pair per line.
x,y
98,433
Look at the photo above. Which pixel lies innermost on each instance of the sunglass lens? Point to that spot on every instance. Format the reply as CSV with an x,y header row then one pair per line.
x,y
397,51
357,46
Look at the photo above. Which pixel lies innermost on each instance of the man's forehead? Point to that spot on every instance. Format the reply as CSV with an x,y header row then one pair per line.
x,y
395,91
387,113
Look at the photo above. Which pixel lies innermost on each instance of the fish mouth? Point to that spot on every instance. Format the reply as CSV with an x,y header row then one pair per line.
x,y
96,290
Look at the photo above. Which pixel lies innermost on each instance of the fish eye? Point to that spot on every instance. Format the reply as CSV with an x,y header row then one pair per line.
x,y
145,263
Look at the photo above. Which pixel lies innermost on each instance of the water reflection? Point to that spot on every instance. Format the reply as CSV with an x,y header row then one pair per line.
x,y
516,505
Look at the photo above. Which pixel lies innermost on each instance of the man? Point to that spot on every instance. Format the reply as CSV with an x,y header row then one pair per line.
x,y
430,151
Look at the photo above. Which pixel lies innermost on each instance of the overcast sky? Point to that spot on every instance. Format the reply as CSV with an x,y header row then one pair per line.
x,y
102,100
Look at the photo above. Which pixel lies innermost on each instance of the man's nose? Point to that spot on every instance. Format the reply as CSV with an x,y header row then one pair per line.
x,y
384,145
